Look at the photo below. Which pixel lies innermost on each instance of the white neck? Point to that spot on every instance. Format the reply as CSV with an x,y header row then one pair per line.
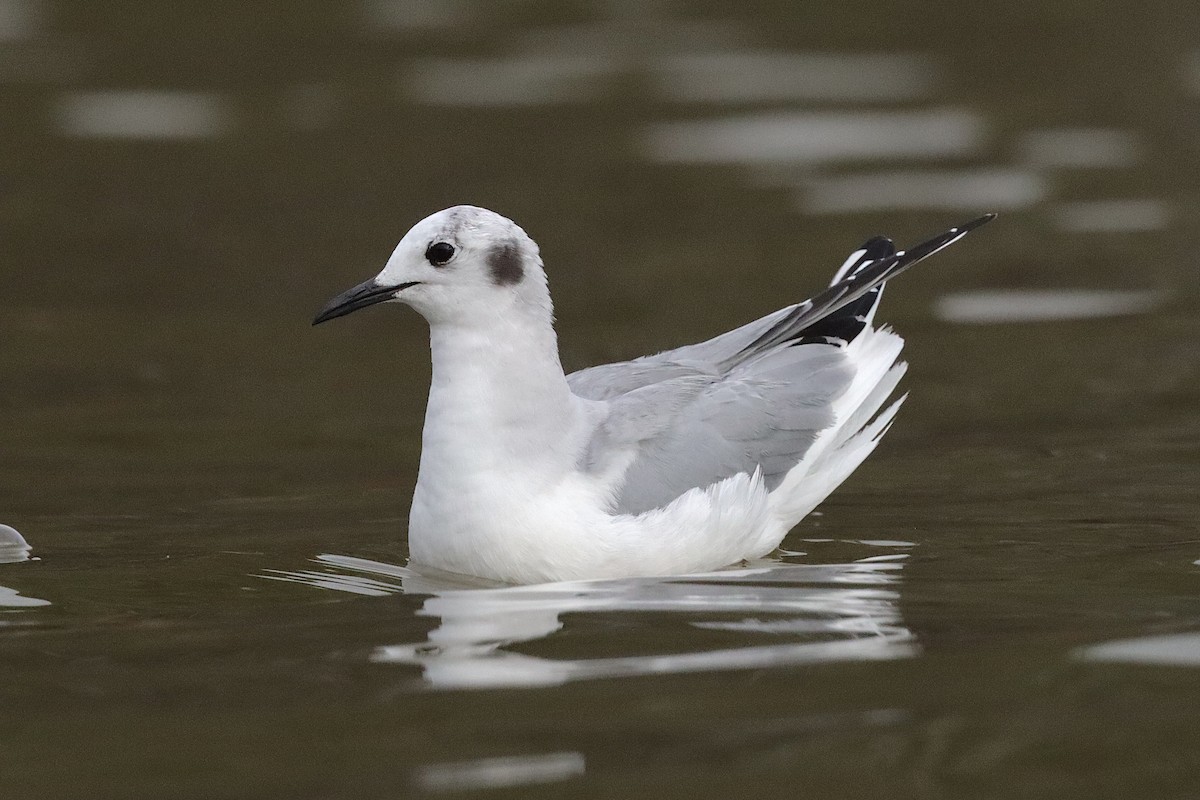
x,y
498,400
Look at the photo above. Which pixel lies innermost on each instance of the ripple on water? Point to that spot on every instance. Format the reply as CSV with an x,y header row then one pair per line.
x,y
790,614
495,773
11,598
142,114
997,189
1042,305
816,137
1112,216
1171,650
1080,147
752,76
506,82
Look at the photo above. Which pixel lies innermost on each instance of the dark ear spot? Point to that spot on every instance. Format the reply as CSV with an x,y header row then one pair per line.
x,y
504,261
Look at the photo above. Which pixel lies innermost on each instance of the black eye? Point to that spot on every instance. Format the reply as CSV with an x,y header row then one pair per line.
x,y
439,253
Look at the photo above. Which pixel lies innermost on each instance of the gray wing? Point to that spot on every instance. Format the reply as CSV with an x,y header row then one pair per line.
x,y
607,381
750,398
698,428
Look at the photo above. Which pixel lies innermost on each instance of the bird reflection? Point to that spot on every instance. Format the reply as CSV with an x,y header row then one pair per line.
x,y
782,613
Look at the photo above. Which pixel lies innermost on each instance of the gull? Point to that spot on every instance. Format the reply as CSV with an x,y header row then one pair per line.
x,y
687,461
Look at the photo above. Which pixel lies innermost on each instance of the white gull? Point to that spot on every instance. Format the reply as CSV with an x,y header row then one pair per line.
x,y
685,461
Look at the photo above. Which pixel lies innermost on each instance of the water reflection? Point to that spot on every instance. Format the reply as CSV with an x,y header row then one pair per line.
x,y
785,613
1171,650
505,771
748,76
1042,305
1080,147
997,189
118,114
530,80
1112,216
11,598
816,137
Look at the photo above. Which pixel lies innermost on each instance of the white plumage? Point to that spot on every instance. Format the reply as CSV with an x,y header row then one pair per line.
x,y
688,460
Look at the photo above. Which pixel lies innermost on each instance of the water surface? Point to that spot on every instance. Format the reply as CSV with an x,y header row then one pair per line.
x,y
1003,602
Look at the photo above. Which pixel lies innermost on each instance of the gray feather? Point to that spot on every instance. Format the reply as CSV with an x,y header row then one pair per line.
x,y
756,397
698,428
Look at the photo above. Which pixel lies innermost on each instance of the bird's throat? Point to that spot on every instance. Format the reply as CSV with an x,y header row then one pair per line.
x,y
497,398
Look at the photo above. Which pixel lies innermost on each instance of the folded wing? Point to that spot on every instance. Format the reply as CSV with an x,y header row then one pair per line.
x,y
756,398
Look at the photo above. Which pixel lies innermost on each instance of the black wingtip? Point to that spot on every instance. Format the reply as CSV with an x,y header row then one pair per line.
x,y
877,247
978,221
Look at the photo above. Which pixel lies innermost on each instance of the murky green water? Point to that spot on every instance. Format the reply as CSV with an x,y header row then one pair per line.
x,y
1003,602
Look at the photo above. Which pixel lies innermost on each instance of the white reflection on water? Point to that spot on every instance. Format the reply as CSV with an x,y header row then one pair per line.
x,y
828,612
515,81
1171,650
505,771
560,64
1080,147
1042,305
817,137
757,76
994,189
1112,216
132,114
11,598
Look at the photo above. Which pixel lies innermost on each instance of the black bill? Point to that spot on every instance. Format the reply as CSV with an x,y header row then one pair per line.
x,y
367,293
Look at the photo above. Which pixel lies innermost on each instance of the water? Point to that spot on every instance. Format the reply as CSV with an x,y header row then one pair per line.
x,y
1002,602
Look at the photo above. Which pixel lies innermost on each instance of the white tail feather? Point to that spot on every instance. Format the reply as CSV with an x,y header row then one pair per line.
x,y
840,449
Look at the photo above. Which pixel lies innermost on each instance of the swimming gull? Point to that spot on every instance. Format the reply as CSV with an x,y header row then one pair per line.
x,y
684,461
